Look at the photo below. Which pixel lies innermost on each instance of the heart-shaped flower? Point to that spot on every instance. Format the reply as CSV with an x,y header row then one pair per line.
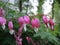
x,y
21,20
27,19
51,22
45,20
24,21
10,26
35,24
2,22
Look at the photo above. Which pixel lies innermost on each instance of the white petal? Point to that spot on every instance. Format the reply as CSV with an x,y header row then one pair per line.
x,y
3,26
36,30
11,32
25,27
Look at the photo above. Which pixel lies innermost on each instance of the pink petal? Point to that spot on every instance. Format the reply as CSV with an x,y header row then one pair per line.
x,y
27,19
10,25
35,23
2,21
21,20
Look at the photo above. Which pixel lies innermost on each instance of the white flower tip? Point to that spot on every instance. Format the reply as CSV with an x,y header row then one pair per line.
x,y
36,30
11,32
52,27
48,25
3,27
25,27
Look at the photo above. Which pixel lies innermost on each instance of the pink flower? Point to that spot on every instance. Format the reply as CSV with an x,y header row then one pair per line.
x,y
45,20
35,23
27,19
2,12
2,21
51,22
24,21
10,25
21,20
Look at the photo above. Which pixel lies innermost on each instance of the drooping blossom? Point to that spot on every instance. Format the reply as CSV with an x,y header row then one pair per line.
x,y
51,22
27,19
24,21
45,20
2,12
35,24
21,20
10,26
3,22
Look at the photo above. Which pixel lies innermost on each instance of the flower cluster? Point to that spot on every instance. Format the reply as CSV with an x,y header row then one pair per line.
x,y
23,21
48,22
